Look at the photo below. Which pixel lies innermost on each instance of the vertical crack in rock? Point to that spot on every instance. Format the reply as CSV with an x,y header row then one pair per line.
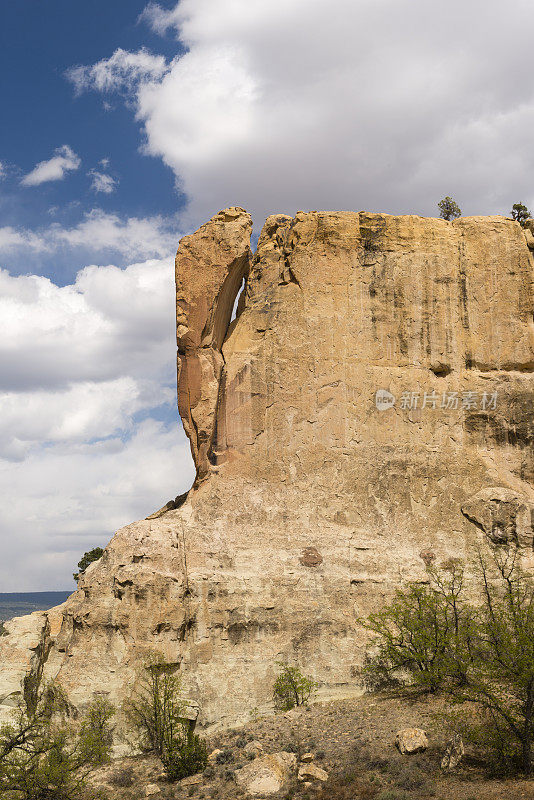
x,y
210,267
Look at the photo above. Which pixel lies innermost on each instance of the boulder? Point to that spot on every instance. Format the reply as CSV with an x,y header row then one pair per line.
x,y
152,789
253,749
267,775
411,740
311,772
306,758
212,758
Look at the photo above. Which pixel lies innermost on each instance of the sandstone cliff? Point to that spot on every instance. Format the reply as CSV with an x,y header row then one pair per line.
x,y
369,411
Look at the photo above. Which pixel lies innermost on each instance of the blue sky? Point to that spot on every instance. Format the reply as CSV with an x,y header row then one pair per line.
x,y
127,124
39,42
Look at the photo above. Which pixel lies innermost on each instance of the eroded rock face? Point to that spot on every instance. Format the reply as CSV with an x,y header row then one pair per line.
x,y
368,413
210,267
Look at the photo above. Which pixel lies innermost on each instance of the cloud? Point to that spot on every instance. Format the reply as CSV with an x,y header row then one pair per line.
x,y
63,500
98,232
89,432
278,105
122,71
101,182
2,170
64,160
160,19
109,323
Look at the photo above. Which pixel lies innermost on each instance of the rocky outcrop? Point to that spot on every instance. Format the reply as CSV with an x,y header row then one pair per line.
x,y
367,413
210,268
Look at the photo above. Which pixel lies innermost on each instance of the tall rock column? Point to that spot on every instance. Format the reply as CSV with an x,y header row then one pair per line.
x,y
210,267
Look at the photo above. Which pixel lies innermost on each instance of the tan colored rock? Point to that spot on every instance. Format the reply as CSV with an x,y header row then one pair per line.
x,y
505,516
210,267
212,758
411,740
311,772
152,789
307,758
253,749
322,484
267,775
191,780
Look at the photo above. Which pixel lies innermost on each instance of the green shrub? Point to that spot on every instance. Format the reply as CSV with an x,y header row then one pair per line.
x,y
483,654
185,756
41,757
423,633
520,213
291,688
156,711
86,559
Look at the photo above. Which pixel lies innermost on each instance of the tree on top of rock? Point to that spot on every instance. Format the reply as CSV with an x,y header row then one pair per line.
x,y
520,213
449,209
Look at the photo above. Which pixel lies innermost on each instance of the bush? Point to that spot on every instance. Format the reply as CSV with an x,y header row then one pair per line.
x,y
123,778
482,654
40,757
422,633
185,756
156,710
291,688
520,213
449,209
86,559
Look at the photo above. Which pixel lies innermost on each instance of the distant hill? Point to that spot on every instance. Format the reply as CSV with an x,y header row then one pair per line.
x,y
16,604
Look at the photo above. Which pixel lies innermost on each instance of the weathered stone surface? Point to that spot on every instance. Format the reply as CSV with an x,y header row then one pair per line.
x,y
253,749
267,775
212,758
192,780
312,503
411,740
210,267
505,516
311,772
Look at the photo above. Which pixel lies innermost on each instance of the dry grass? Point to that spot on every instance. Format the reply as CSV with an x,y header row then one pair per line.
x,y
352,740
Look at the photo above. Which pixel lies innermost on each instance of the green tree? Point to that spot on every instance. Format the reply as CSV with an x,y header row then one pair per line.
x,y
86,559
291,688
481,653
43,758
520,213
449,209
501,662
424,632
156,711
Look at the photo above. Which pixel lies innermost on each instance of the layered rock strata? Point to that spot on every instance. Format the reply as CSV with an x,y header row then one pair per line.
x,y
369,411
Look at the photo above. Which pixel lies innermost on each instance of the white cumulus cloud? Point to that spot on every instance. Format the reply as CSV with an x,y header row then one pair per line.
x,y
122,70
86,372
280,105
97,232
101,182
64,160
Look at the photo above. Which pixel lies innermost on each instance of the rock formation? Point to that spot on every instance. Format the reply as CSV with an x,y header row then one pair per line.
x,y
369,411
